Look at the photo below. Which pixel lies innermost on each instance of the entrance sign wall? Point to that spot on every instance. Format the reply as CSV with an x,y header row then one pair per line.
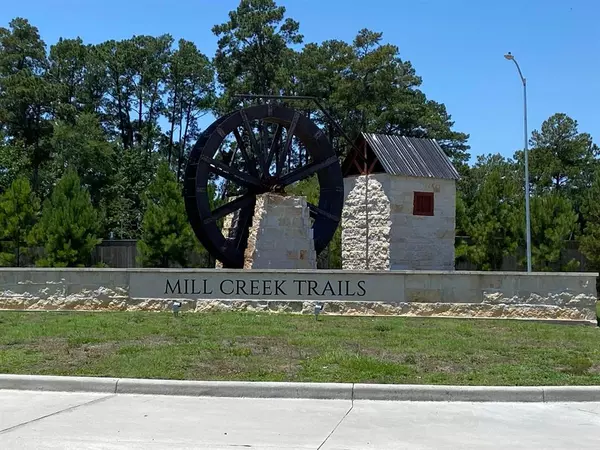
x,y
567,297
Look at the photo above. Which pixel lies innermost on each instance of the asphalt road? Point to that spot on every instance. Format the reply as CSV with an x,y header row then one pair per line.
x,y
36,420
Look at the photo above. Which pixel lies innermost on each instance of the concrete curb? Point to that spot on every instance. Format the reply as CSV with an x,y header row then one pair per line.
x,y
236,389
323,391
58,384
434,393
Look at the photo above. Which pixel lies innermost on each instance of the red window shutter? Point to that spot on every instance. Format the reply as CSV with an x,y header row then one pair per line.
x,y
423,204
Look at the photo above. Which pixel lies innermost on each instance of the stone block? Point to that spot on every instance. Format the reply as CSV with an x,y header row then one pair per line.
x,y
423,295
279,233
423,281
284,221
527,283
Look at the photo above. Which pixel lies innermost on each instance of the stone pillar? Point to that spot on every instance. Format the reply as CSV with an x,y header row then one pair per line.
x,y
227,222
281,236
366,225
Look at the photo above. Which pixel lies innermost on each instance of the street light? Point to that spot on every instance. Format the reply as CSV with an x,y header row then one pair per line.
x,y
510,57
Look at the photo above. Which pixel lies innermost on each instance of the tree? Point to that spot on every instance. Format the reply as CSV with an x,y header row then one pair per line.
x,y
253,54
166,234
69,225
19,209
25,94
370,88
67,72
83,147
492,219
190,86
13,163
590,239
561,157
553,221
124,208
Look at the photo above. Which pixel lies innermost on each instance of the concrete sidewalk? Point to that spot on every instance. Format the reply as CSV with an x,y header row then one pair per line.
x,y
56,420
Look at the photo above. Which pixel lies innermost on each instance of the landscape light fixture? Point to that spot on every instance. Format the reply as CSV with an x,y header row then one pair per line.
x,y
318,310
509,56
176,307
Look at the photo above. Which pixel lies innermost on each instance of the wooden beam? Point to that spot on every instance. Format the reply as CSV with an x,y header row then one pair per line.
x,y
375,161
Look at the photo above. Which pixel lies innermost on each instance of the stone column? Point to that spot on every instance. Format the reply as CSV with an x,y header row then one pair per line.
x,y
366,225
227,222
281,236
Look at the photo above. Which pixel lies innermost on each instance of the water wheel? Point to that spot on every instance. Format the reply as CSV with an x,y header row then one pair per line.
x,y
252,151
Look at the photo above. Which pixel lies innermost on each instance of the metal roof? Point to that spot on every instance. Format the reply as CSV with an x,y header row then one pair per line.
x,y
413,157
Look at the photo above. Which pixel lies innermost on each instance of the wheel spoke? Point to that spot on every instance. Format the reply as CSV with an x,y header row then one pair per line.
x,y
288,143
231,173
244,219
306,171
248,162
316,211
228,157
230,208
274,145
257,148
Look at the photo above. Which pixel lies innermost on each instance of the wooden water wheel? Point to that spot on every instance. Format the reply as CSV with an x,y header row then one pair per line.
x,y
255,150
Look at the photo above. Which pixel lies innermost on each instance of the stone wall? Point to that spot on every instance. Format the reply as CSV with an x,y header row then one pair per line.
x,y
569,297
227,230
366,244
397,239
281,236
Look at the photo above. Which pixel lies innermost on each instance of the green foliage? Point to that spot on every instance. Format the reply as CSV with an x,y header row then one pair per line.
x,y
68,227
369,87
83,147
13,163
190,87
26,100
253,54
492,219
561,157
590,241
112,111
166,234
553,221
19,209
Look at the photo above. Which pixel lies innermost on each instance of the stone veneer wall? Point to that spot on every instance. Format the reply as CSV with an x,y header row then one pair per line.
x,y
366,247
567,297
397,239
281,236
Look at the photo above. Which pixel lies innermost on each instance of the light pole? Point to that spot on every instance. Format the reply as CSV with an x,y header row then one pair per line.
x,y
510,57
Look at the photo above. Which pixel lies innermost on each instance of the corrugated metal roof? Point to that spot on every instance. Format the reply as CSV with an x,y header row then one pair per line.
x,y
414,157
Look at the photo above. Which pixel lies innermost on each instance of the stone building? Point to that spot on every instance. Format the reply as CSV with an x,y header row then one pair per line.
x,y
400,205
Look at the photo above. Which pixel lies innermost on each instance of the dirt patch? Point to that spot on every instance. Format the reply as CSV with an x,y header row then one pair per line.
x,y
60,354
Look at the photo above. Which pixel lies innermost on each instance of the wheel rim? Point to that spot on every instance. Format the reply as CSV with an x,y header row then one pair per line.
x,y
263,169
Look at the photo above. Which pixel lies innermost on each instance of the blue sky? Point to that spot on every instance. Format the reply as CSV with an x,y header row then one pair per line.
x,y
457,47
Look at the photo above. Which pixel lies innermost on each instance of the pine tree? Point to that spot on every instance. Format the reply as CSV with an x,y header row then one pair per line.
x,y
590,241
69,226
553,222
166,234
492,219
19,208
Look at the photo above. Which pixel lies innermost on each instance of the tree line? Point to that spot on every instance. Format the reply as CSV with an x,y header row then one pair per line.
x,y
564,182
94,138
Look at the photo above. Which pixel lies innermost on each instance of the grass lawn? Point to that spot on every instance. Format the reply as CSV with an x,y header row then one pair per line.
x,y
236,346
